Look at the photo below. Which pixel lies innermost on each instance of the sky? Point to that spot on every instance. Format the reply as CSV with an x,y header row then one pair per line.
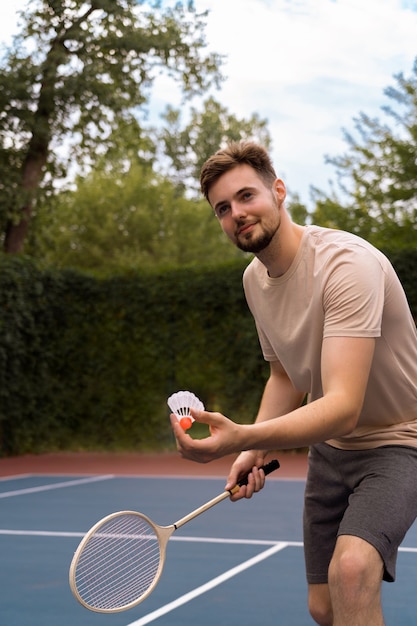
x,y
307,66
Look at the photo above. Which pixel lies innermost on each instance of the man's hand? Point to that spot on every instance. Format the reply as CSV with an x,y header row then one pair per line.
x,y
223,440
247,464
224,437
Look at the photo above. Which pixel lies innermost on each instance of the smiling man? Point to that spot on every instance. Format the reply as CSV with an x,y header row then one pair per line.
x,y
334,325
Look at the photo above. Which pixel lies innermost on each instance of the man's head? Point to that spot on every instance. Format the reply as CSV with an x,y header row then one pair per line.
x,y
237,153
241,185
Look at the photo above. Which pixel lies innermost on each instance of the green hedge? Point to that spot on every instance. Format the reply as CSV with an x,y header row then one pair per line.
x,y
405,264
88,363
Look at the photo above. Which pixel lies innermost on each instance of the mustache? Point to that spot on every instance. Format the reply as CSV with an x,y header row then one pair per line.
x,y
241,224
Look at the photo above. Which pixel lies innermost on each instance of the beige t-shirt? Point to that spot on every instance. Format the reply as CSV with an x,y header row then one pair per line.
x,y
340,285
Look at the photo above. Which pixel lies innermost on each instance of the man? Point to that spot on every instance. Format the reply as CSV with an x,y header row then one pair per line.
x,y
335,326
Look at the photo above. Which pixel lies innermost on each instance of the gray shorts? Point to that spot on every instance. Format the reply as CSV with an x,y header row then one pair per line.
x,y
371,494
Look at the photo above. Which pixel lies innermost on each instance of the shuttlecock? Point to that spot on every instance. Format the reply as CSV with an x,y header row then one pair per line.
x,y
180,404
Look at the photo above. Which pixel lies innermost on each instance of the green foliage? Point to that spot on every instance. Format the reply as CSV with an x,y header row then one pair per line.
x,y
87,363
76,72
405,264
26,355
124,215
188,147
298,210
378,174
113,224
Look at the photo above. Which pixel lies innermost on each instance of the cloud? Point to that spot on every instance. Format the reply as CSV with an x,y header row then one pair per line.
x,y
308,66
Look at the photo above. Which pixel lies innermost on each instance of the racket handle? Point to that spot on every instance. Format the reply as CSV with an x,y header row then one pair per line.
x,y
268,468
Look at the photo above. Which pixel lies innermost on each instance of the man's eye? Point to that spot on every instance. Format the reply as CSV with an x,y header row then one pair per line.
x,y
221,210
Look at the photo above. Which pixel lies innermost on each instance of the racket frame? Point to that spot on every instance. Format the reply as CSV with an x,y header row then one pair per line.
x,y
163,534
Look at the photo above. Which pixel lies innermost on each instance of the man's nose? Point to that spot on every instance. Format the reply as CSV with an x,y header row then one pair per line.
x,y
238,210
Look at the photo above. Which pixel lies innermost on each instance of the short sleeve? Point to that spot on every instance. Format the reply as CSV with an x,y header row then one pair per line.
x,y
353,294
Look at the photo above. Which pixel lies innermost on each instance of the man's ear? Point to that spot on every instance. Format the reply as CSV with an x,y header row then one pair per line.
x,y
280,189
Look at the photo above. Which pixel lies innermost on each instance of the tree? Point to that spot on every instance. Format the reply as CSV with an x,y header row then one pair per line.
x,y
132,218
297,210
77,70
187,147
126,214
378,175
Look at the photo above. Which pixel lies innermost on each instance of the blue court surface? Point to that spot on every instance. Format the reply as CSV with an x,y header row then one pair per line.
x,y
237,564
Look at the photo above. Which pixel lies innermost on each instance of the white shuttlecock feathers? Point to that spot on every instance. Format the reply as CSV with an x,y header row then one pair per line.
x,y
180,404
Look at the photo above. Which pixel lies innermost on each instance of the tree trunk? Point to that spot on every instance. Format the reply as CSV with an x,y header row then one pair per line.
x,y
15,235
16,231
37,155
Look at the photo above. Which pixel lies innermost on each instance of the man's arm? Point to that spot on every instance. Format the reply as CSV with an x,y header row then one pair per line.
x,y
279,397
346,363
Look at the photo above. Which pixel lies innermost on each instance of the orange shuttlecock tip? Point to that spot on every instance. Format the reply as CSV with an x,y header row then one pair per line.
x,y
186,423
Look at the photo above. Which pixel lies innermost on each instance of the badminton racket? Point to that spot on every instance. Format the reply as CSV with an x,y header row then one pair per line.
x,y
120,560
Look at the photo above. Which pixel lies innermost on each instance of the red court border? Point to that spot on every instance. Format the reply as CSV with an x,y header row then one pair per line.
x,y
293,465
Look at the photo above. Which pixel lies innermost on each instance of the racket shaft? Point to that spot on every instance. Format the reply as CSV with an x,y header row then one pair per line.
x,y
205,507
268,468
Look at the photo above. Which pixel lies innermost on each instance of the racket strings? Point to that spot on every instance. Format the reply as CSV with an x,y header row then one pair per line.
x,y
119,563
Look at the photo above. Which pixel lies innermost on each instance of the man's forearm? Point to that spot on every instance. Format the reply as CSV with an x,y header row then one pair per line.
x,y
279,398
318,421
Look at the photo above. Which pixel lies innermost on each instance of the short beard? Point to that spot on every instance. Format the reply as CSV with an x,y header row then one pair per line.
x,y
259,244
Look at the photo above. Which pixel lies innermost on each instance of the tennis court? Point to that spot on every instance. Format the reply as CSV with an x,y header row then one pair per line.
x,y
237,564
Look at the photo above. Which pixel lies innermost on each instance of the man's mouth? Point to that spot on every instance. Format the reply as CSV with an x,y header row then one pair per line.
x,y
244,229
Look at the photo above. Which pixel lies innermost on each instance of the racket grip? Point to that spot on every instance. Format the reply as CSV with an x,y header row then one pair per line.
x,y
268,468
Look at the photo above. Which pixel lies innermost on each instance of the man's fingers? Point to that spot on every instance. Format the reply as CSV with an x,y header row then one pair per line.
x,y
255,482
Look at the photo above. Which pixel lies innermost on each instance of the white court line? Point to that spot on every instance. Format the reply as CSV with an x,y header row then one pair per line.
x,y
241,542
277,547
65,533
250,542
208,586
39,533
407,549
68,483
14,477
185,539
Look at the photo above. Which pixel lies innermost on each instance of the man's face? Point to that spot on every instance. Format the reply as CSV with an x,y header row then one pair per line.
x,y
248,211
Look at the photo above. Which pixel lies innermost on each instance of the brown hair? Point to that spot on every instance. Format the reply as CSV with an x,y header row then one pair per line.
x,y
236,153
